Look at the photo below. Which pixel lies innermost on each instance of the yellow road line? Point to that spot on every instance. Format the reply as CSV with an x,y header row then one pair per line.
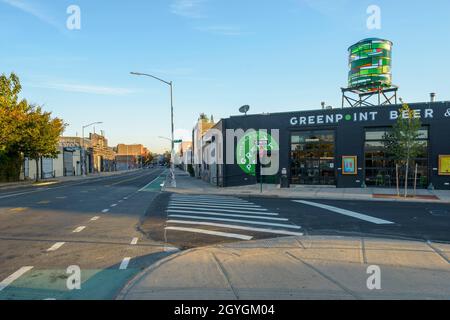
x,y
18,209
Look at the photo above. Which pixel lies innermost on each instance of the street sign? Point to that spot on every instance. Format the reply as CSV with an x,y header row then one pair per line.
x,y
177,141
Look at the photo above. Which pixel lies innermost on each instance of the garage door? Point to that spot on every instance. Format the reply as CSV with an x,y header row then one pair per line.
x,y
47,168
68,163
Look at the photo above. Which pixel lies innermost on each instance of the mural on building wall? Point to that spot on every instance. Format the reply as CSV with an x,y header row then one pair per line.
x,y
252,144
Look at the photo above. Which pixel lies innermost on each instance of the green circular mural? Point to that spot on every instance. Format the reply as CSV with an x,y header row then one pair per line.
x,y
248,147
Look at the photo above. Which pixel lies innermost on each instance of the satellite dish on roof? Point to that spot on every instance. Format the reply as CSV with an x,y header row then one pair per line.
x,y
244,109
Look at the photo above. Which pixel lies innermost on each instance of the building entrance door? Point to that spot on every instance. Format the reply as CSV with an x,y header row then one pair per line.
x,y
312,158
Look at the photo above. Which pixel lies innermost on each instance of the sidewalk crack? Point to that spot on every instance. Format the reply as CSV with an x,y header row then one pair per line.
x,y
337,283
225,275
438,252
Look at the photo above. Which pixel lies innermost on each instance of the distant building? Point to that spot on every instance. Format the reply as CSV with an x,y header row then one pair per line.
x,y
132,149
185,154
104,157
201,168
130,156
98,158
124,162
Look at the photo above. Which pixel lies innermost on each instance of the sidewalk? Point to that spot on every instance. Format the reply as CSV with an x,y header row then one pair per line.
x,y
47,182
187,184
298,268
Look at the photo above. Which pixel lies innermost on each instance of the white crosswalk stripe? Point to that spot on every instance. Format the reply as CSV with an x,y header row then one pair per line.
x,y
208,199
228,215
290,226
222,210
236,227
224,213
215,204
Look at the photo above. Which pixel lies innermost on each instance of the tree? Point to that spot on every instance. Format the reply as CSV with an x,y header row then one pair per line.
x,y
148,159
25,130
167,157
402,143
13,113
203,117
40,137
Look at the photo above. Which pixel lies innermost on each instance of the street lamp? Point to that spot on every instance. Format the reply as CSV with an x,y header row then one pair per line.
x,y
165,138
170,84
83,150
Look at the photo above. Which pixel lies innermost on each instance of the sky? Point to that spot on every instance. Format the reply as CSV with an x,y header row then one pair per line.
x,y
276,56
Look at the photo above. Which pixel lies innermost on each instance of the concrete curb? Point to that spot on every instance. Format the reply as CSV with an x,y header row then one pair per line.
x,y
130,284
307,196
400,245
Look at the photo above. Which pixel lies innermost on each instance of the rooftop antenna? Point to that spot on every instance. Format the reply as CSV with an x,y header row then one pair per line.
x,y
244,109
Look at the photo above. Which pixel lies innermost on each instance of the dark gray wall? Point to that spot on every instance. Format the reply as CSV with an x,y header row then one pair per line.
x,y
349,136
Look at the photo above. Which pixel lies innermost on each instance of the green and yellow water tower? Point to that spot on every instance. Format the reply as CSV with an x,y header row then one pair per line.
x,y
370,62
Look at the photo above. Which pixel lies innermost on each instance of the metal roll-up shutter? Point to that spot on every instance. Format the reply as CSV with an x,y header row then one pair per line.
x,y
47,168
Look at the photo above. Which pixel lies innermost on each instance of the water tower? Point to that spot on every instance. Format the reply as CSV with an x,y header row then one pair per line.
x,y
370,74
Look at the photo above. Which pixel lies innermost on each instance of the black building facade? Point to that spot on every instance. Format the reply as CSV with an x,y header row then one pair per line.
x,y
342,147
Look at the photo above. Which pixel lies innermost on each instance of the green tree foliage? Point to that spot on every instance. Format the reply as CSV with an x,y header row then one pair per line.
x,y
40,138
25,130
402,142
148,159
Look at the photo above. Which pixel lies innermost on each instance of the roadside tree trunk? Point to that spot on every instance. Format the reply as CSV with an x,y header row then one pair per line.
x,y
37,169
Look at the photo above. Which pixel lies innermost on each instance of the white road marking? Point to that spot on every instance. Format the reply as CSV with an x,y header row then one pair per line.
x,y
207,197
237,201
224,210
211,213
105,211
16,275
22,193
171,249
79,229
126,198
124,264
114,205
289,226
95,218
231,226
56,246
214,233
345,212
218,205
134,241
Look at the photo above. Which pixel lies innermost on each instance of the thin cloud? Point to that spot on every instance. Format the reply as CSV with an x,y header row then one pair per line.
x,y
223,30
30,9
89,89
188,8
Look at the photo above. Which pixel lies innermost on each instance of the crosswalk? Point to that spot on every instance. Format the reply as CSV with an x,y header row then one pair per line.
x,y
227,217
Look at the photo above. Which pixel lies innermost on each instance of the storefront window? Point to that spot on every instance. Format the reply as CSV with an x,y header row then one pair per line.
x,y
380,167
312,158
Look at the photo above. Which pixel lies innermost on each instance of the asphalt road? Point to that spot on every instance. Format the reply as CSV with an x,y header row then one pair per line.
x,y
91,224
111,228
189,221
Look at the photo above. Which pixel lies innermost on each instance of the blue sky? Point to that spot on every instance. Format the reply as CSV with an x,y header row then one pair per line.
x,y
276,56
